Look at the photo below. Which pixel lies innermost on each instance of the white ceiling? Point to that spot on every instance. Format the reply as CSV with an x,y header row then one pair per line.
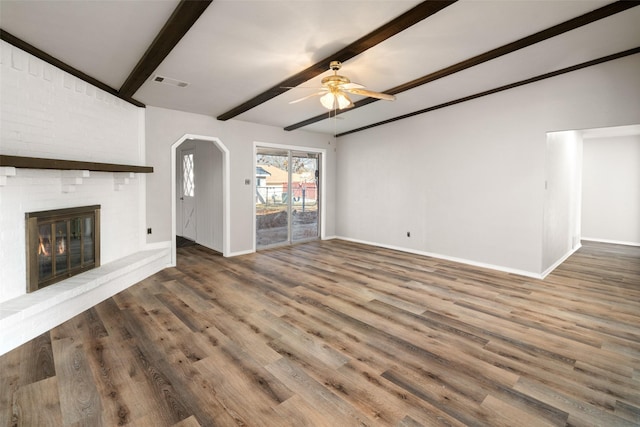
x,y
239,48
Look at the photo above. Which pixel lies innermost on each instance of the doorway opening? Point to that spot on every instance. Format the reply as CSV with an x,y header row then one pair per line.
x,y
200,193
591,190
287,196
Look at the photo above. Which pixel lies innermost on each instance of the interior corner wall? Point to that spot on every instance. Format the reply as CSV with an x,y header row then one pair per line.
x,y
164,127
561,217
209,199
611,189
468,180
213,176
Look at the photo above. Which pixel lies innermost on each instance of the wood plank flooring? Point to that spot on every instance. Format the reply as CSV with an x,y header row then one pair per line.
x,y
340,334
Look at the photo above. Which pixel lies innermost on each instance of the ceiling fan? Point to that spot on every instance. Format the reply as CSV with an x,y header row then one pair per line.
x,y
333,94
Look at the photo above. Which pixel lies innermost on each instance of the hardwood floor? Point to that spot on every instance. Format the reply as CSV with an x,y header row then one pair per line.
x,y
339,334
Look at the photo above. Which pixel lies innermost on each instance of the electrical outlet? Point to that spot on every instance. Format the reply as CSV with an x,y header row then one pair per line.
x,y
148,230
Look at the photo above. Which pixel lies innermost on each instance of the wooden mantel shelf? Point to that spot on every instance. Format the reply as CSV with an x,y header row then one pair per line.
x,y
40,163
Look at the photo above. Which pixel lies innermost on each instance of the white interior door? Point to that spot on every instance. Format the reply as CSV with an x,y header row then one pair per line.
x,y
188,195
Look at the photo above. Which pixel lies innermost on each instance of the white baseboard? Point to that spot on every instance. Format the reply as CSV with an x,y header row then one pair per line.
x,y
448,258
232,254
251,251
615,242
560,261
158,245
27,316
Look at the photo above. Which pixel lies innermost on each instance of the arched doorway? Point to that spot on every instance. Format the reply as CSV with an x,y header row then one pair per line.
x,y
214,229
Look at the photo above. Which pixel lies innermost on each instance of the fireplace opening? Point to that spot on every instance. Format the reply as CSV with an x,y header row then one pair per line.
x,y
61,243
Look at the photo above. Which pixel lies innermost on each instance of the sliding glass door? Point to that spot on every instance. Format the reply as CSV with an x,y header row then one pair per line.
x,y
272,201
304,196
287,196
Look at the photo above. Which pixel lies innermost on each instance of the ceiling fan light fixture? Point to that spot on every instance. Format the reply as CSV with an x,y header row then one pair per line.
x,y
343,101
328,101
335,100
334,91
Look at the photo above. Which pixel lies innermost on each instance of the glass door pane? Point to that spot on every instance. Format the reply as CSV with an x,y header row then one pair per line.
x,y
88,252
304,196
45,254
272,197
61,247
188,198
75,243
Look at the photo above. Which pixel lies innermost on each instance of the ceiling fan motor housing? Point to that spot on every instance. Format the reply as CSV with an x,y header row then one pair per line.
x,y
335,80
335,65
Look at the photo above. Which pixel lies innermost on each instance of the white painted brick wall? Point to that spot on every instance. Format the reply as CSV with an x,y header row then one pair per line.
x,y
46,112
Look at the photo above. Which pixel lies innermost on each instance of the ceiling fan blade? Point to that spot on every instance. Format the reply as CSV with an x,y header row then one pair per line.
x,y
307,97
372,94
351,85
300,87
348,99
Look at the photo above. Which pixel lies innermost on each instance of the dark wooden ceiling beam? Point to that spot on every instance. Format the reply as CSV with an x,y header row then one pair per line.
x,y
556,30
23,45
597,61
391,28
180,21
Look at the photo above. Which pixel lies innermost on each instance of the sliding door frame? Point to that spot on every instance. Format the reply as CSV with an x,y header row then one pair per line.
x,y
321,183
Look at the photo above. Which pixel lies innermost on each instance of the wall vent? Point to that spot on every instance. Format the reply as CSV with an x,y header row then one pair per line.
x,y
169,81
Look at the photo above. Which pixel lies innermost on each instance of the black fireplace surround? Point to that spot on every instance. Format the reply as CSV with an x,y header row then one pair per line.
x,y
61,243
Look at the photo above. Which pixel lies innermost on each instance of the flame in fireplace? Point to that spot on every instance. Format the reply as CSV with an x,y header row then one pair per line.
x,y
42,250
44,245
62,246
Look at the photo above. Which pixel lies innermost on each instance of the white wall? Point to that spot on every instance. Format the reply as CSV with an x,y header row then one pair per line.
x,y
611,189
209,202
46,112
164,127
49,113
563,181
213,170
468,180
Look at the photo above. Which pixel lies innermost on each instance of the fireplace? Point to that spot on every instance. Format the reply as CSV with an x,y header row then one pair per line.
x,y
61,243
